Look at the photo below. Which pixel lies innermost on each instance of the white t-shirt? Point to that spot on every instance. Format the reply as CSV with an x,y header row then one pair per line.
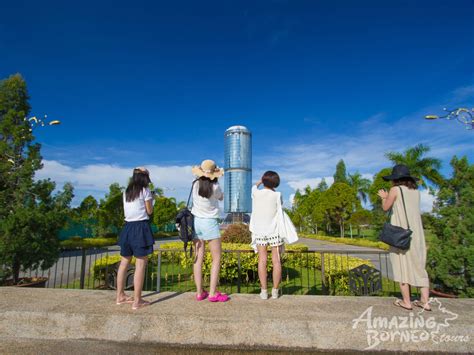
x,y
265,206
206,207
136,210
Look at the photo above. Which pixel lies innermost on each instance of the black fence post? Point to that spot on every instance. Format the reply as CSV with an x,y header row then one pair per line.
x,y
83,268
323,275
158,273
239,272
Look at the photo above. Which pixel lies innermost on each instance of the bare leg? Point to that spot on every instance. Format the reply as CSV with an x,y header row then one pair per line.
x,y
139,277
121,273
262,265
405,290
425,296
199,249
276,266
216,250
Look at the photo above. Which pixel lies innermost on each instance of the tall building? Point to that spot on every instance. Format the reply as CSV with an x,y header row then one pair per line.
x,y
238,173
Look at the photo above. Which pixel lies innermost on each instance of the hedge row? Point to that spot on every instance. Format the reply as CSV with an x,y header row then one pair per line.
x,y
336,266
348,241
79,242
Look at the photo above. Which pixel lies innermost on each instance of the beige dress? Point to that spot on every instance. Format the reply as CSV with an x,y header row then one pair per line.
x,y
409,266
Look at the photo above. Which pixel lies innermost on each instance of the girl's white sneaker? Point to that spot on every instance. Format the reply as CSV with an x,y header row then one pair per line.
x,y
264,294
275,293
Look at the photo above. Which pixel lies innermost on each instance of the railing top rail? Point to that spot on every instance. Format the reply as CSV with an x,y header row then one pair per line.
x,y
319,251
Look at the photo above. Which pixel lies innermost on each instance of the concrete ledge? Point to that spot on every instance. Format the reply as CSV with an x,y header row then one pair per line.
x,y
296,322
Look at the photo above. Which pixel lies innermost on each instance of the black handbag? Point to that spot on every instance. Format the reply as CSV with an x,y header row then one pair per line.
x,y
396,236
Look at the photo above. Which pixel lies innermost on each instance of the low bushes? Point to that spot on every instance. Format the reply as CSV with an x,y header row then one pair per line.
x,y
165,234
78,242
237,233
356,242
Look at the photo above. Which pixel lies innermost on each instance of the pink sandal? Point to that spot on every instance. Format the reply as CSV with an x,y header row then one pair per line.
x,y
219,297
202,296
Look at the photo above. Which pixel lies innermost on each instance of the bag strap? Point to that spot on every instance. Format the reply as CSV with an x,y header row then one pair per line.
x,y
404,207
190,193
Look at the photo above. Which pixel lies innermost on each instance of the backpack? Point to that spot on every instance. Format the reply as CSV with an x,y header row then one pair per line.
x,y
185,224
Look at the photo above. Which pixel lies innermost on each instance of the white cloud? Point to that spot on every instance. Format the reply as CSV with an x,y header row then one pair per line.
x,y
312,182
426,201
95,179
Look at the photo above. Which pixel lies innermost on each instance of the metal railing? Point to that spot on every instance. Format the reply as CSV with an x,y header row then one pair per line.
x,y
323,272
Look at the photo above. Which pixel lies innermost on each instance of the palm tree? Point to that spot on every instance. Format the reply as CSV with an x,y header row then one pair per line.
x,y
425,168
359,184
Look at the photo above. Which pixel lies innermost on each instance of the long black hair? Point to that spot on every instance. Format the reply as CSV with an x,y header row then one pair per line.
x,y
206,186
138,182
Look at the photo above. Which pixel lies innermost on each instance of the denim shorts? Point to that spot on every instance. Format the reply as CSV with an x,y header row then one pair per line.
x,y
206,228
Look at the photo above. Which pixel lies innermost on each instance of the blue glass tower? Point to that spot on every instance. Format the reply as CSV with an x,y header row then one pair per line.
x,y
238,171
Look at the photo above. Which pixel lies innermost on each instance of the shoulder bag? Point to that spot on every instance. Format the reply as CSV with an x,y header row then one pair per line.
x,y
396,236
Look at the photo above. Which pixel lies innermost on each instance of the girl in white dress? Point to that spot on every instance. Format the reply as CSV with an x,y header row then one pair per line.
x,y
266,204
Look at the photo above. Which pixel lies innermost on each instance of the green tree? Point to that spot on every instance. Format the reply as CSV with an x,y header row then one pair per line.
x,y
30,215
360,184
164,211
451,253
425,168
340,174
304,205
360,218
86,215
341,202
322,186
378,183
110,213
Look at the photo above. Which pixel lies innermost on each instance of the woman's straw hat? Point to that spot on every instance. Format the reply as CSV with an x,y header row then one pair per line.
x,y
208,169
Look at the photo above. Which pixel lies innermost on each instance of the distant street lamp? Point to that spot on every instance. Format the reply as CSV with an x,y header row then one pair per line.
x,y
462,115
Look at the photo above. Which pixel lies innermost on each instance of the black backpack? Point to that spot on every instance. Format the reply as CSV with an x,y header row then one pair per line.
x,y
185,225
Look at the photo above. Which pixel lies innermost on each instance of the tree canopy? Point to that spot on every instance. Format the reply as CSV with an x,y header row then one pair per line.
x,y
31,216
451,252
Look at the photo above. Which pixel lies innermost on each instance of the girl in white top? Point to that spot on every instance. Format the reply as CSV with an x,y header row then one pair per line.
x,y
136,237
266,204
206,196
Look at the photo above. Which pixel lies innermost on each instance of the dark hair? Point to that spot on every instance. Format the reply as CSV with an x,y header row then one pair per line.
x,y
271,179
206,186
406,181
138,182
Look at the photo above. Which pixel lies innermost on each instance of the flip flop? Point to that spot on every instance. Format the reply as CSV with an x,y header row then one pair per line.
x,y
398,303
421,305
127,300
141,305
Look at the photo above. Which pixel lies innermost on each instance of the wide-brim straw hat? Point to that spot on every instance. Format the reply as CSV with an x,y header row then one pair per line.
x,y
209,169
399,171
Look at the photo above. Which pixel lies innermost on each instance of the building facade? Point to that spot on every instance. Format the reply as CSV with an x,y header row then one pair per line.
x,y
238,172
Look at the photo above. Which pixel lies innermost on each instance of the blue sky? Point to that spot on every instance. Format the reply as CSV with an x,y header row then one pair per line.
x,y
157,83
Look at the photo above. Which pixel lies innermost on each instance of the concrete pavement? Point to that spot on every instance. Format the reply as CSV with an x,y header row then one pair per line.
x,y
317,323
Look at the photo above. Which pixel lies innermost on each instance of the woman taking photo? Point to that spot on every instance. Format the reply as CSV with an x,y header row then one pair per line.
x,y
408,265
205,209
136,238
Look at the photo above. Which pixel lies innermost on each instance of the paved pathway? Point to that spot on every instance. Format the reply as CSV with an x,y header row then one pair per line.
x,y
324,323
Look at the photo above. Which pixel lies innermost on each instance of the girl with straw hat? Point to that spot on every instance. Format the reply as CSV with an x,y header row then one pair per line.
x,y
205,209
